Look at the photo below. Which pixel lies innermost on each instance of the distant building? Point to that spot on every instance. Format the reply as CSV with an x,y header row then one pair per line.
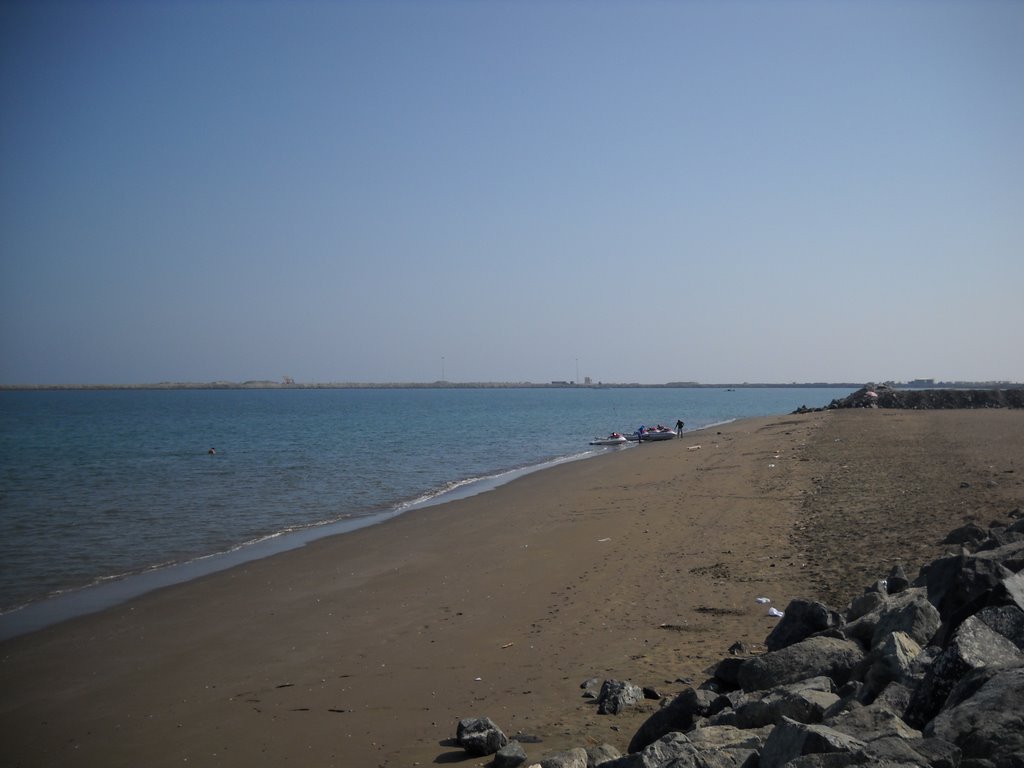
x,y
921,383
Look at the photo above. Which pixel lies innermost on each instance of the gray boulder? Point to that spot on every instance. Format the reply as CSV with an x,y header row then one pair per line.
x,y
789,740
722,758
805,702
974,646
1000,537
727,748
801,619
972,533
911,752
677,715
616,696
726,737
1007,620
909,611
813,657
890,661
511,755
871,600
479,736
897,580
989,725
872,722
726,672
1014,587
957,582
833,760
574,758
601,754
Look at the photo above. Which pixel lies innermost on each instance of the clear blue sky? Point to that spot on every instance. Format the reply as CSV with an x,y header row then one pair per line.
x,y
662,191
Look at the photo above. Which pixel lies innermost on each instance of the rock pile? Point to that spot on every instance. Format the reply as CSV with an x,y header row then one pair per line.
x,y
929,673
882,396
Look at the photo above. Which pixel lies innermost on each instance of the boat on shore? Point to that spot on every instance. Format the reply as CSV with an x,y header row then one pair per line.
x,y
649,434
615,438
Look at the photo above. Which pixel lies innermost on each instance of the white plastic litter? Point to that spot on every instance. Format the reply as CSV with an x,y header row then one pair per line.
x,y
775,612
764,600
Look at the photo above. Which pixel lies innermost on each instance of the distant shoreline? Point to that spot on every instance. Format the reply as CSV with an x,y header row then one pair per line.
x,y
421,385
493,385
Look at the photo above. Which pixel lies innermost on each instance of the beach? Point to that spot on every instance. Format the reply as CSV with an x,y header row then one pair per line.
x,y
645,565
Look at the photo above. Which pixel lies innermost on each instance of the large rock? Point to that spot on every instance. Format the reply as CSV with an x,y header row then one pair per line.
x,y
805,702
971,533
814,657
802,618
1014,587
574,758
897,580
961,581
1007,620
512,755
677,715
974,646
479,736
601,754
726,673
989,725
616,696
725,737
874,721
870,601
728,748
909,611
911,752
1000,537
789,740
890,661
832,760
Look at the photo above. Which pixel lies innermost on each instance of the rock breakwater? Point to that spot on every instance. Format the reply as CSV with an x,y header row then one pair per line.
x,y
928,672
882,396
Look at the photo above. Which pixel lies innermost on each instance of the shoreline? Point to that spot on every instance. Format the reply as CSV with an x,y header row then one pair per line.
x,y
114,590
111,591
366,648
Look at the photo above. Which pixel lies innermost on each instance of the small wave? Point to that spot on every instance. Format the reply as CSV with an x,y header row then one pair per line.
x,y
471,486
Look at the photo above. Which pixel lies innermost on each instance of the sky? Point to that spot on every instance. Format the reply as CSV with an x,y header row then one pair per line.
x,y
713,191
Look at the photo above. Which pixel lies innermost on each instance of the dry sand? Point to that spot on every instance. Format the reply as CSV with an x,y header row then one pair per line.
x,y
644,565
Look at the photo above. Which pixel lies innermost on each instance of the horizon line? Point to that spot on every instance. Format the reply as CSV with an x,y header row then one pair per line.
x,y
443,384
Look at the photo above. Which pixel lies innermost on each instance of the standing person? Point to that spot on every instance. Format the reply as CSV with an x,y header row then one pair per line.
x,y
679,427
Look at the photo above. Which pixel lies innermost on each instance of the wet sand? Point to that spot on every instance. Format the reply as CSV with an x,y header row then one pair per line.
x,y
644,565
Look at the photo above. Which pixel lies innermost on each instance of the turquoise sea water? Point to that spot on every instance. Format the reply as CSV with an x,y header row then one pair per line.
x,y
100,485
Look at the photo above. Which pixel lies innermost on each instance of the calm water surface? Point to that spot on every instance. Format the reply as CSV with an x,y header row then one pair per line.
x,y
96,485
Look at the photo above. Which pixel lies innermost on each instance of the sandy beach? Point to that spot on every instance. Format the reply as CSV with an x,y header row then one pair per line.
x,y
643,565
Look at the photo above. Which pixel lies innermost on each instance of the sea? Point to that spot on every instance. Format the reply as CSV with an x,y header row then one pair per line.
x,y
105,494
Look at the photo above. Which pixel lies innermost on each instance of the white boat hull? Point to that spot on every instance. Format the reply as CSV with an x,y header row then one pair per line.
x,y
609,441
651,436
